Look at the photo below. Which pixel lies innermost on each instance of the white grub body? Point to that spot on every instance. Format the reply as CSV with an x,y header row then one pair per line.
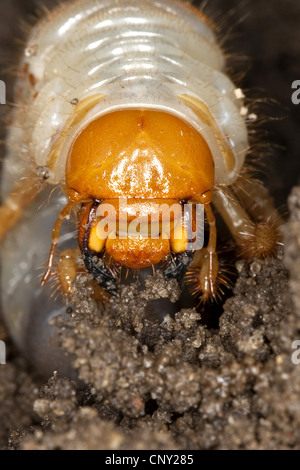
x,y
111,54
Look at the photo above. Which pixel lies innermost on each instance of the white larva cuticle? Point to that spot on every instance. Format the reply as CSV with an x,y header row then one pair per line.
x,y
138,54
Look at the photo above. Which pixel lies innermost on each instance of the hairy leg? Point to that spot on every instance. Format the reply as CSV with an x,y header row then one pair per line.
x,y
256,198
24,192
255,238
205,267
64,214
70,264
259,237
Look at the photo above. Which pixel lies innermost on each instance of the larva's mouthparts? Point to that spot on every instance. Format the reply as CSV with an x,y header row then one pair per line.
x,y
135,233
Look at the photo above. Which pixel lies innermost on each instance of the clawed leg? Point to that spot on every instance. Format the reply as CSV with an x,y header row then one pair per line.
x,y
67,269
69,265
64,214
25,191
257,199
204,274
255,239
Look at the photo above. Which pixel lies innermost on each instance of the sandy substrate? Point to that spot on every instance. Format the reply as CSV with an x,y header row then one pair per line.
x,y
175,384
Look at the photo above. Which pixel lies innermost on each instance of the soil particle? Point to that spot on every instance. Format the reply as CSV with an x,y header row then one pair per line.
x,y
17,392
173,383
67,424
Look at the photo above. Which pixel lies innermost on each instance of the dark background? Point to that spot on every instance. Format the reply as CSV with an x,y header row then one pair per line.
x,y
264,43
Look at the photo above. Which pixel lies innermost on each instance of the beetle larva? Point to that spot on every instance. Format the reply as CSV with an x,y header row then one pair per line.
x,y
118,100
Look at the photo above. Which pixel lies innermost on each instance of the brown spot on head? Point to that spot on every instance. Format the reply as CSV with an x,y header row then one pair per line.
x,y
32,79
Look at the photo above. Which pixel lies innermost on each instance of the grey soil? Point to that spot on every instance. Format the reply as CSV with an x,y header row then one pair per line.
x,y
173,384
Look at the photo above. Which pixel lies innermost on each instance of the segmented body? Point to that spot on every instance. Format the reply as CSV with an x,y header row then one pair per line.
x,y
86,59
90,58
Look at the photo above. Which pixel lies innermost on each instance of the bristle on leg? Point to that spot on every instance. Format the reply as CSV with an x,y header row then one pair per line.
x,y
209,285
261,241
64,272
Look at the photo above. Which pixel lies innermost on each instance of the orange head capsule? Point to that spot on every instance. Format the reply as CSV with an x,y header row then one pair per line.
x,y
135,168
